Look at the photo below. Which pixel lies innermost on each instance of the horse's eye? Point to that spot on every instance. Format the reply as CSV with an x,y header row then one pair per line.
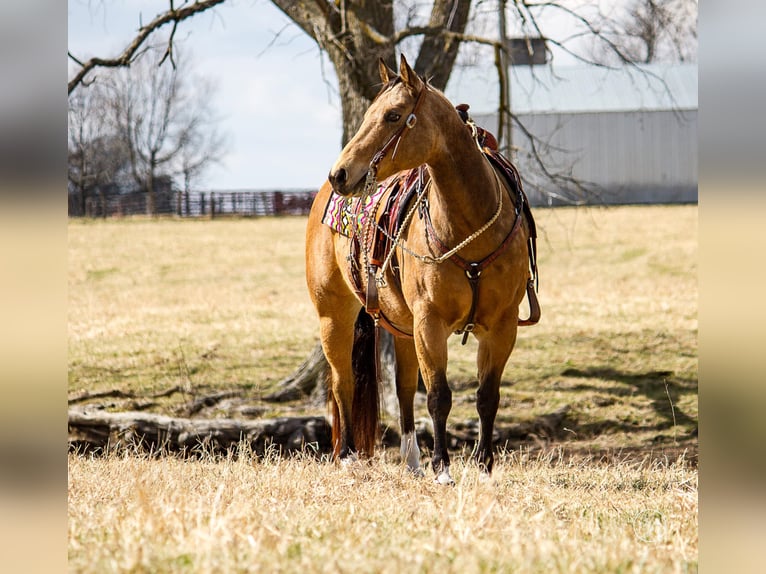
x,y
393,117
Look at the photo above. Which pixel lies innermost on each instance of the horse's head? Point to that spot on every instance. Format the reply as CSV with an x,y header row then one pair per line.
x,y
388,140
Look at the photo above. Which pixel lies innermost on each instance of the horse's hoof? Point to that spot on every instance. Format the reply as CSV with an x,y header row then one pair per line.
x,y
416,472
349,461
444,479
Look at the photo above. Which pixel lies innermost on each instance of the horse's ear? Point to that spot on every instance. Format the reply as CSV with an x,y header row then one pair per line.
x,y
409,77
386,73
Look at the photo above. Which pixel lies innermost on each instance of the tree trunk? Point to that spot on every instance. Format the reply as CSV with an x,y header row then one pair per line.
x,y
303,383
309,381
81,201
355,35
151,207
81,183
439,51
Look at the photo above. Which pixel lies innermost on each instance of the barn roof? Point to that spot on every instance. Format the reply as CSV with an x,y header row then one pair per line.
x,y
544,89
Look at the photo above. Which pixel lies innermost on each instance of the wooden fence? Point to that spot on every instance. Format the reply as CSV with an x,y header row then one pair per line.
x,y
196,204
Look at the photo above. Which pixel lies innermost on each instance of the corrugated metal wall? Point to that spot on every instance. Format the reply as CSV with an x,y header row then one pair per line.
x,y
625,157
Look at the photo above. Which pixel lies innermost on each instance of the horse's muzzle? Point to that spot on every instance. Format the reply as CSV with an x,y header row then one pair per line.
x,y
339,181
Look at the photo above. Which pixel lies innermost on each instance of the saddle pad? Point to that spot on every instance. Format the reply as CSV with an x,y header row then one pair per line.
x,y
344,215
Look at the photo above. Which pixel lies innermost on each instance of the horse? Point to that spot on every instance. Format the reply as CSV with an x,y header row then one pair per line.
x,y
464,263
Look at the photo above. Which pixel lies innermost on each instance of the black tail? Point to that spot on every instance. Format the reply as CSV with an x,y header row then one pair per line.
x,y
365,411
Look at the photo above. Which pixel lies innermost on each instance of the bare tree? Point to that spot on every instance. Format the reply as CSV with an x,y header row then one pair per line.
x,y
650,31
97,158
164,116
83,130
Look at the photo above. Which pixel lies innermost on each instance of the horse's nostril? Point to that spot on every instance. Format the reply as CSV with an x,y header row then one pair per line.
x,y
339,177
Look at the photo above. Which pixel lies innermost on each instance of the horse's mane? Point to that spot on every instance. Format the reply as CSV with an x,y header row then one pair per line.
x,y
397,80
387,86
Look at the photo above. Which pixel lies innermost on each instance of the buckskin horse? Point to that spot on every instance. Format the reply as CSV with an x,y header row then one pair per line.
x,y
444,244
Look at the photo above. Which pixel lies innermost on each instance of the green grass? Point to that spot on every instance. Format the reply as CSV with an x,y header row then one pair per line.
x,y
218,305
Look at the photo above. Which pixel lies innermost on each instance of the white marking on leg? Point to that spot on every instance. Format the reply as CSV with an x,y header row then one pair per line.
x,y
349,461
444,478
411,453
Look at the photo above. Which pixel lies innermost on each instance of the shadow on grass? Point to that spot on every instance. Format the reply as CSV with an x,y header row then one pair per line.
x,y
661,388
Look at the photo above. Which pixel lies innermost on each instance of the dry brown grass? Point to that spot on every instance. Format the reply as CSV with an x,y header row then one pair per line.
x,y
541,514
215,305
208,304
221,305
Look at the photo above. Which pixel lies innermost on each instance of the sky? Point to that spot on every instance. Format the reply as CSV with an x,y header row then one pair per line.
x,y
283,124
276,98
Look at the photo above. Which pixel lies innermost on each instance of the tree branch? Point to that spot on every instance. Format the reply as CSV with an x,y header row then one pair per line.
x,y
438,52
307,15
432,30
128,54
557,177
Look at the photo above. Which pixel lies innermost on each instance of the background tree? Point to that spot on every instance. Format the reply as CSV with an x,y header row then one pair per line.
x,y
164,116
650,31
97,158
141,125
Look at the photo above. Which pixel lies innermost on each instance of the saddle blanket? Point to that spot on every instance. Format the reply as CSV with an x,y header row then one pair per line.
x,y
346,216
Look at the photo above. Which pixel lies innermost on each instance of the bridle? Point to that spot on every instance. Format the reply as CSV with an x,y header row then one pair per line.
x,y
371,183
393,142
472,270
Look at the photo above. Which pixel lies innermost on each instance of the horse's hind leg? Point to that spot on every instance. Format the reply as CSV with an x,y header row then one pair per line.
x,y
406,386
492,357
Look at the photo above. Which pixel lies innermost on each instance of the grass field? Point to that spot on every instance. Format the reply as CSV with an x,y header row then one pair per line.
x,y
544,515
219,305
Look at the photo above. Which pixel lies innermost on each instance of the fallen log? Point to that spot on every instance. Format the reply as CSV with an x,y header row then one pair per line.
x,y
96,430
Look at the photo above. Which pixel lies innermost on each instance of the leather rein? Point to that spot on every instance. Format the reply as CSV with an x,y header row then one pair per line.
x,y
473,270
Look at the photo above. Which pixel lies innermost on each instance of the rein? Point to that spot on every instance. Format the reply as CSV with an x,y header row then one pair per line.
x,y
473,270
371,181
371,299
446,252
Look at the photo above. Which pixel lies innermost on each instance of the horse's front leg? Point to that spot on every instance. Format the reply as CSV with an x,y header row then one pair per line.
x,y
337,336
431,347
406,387
494,350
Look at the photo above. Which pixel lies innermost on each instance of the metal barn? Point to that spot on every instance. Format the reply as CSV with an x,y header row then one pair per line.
x,y
629,135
